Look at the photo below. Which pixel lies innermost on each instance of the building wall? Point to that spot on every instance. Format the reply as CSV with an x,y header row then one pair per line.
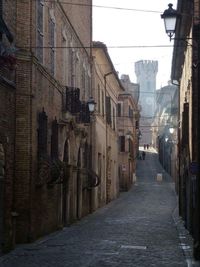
x,y
185,69
41,79
127,134
106,84
7,132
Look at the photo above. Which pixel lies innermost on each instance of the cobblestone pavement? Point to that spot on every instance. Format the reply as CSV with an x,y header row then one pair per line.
x,y
141,228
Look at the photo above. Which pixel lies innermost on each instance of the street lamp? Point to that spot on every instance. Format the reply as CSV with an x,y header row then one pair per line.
x,y
91,104
171,130
170,17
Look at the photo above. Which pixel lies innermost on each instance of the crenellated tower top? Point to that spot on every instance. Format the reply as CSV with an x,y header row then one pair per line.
x,y
146,66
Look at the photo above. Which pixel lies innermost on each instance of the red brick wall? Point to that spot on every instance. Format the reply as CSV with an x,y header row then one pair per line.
x,y
7,112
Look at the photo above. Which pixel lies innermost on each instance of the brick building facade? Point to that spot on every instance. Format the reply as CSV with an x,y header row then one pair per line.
x,y
107,88
53,170
7,123
44,128
186,71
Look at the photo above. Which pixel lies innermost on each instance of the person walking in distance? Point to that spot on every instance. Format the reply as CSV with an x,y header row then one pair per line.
x,y
143,155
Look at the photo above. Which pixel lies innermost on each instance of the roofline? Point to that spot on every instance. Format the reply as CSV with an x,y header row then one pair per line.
x,y
101,45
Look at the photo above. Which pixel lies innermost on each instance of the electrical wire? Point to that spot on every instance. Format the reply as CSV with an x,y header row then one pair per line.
x,y
88,47
102,6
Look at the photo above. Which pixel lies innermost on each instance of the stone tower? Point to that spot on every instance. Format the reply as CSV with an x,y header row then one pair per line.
x,y
146,71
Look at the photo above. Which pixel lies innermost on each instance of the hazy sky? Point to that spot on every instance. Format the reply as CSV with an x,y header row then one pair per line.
x,y
121,27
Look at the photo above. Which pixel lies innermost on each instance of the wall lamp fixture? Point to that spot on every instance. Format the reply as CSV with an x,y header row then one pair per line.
x,y
170,17
91,104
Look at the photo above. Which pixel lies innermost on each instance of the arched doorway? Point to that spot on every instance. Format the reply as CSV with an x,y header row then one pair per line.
x,y
2,179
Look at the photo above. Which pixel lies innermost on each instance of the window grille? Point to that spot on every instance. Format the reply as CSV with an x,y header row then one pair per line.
x,y
84,113
73,103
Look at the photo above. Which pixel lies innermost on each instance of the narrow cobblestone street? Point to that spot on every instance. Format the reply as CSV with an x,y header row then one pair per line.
x,y
140,228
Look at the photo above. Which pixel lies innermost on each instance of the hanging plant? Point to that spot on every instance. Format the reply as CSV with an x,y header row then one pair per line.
x,y
57,169
7,57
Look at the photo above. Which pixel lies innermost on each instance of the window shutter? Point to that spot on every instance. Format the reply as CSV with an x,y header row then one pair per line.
x,y
54,140
185,125
108,110
122,143
119,109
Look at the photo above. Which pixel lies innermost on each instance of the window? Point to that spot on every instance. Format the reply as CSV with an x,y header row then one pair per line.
x,y
108,110
52,45
65,58
119,109
40,30
73,103
102,103
130,147
113,119
42,134
99,99
137,124
122,143
83,82
72,67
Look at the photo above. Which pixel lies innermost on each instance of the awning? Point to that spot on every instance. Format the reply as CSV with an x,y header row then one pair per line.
x,y
4,30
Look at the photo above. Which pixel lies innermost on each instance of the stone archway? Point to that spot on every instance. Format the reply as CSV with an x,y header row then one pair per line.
x,y
2,180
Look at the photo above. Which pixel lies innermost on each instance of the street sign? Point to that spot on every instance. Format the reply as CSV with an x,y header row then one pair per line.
x,y
194,168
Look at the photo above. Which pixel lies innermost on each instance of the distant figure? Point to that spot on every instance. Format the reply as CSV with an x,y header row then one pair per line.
x,y
143,155
147,146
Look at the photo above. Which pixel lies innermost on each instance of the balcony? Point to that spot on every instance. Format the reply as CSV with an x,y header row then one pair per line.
x,y
75,107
